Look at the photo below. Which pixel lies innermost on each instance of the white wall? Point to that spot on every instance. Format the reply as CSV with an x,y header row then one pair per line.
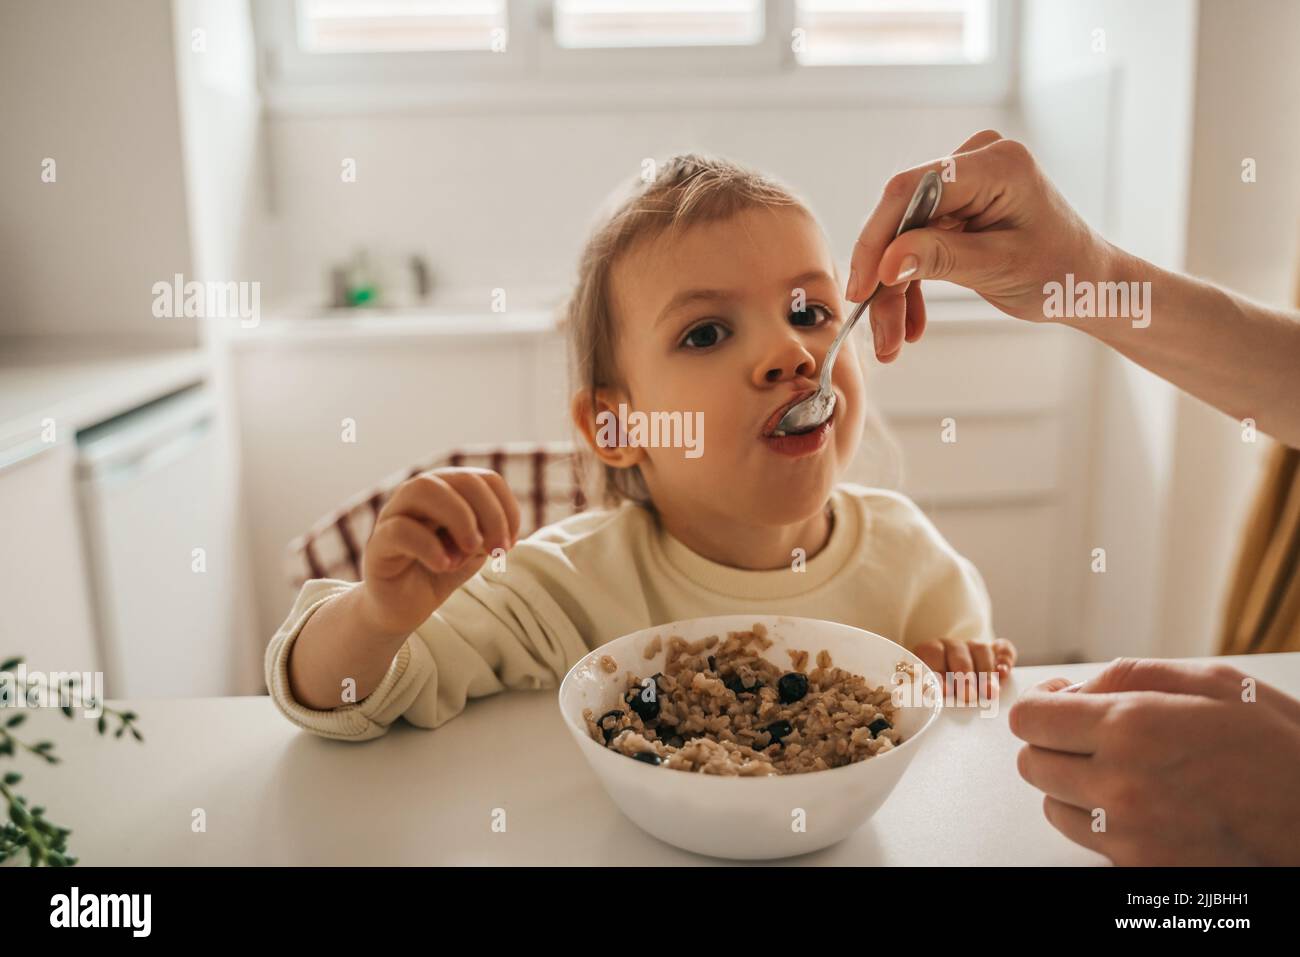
x,y
91,86
1243,236
1110,115
226,201
505,200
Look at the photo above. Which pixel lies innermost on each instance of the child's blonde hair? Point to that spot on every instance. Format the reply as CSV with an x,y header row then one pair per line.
x,y
686,190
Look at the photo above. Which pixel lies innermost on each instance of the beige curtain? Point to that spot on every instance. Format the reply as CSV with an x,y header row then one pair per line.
x,y
1263,610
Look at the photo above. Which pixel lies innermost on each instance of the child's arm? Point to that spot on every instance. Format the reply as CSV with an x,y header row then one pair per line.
x,y
431,537
950,622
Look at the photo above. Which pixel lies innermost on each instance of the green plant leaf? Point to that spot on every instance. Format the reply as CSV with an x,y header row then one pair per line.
x,y
10,664
15,720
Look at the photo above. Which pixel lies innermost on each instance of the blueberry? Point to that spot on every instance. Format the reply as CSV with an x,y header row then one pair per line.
x,y
778,730
649,757
792,686
607,730
880,724
667,734
648,710
713,663
737,686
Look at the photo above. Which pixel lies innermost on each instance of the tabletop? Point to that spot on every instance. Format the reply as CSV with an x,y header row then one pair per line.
x,y
229,781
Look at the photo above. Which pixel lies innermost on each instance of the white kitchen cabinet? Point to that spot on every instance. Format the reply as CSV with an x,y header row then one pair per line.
x,y
991,417
45,612
158,555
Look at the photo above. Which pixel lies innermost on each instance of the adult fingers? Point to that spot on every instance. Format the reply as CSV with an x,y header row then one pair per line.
x,y
1074,823
1059,720
950,254
982,138
983,171
914,325
1051,684
1212,679
955,255
1066,777
888,316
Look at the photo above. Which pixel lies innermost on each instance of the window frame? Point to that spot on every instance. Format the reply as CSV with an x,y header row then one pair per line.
x,y
535,74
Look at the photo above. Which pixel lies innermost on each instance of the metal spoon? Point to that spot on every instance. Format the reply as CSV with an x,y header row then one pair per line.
x,y
817,408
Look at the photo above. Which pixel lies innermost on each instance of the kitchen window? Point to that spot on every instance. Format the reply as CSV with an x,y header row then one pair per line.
x,y
325,55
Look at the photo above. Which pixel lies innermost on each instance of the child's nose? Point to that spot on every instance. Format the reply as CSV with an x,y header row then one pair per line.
x,y
786,358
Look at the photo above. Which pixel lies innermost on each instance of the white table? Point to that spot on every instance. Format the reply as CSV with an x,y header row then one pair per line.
x,y
275,795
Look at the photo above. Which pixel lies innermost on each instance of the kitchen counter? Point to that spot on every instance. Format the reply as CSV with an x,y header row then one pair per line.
x,y
80,384
272,794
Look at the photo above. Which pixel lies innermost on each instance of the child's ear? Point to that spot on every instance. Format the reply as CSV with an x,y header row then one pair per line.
x,y
596,416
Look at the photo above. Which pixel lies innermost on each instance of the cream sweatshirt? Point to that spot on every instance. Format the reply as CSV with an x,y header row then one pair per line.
x,y
595,576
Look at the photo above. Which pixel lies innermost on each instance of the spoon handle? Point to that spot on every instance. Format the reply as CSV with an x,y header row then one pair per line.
x,y
925,200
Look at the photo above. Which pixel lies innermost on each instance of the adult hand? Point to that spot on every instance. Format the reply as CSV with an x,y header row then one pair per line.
x,y
1190,763
1001,229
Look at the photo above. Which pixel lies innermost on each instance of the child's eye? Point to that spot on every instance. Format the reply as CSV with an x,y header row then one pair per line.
x,y
807,317
704,336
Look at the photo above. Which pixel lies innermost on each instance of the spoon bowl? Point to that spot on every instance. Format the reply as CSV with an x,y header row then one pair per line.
x,y
817,408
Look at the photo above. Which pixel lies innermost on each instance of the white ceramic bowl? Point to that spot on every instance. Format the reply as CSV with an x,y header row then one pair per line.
x,y
750,818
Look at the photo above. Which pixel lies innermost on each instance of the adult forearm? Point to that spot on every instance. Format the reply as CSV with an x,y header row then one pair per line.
x,y
1239,356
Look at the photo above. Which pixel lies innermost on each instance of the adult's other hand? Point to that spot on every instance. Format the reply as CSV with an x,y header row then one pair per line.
x,y
1191,763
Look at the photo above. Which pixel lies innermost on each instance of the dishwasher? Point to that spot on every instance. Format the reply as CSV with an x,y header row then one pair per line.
x,y
156,554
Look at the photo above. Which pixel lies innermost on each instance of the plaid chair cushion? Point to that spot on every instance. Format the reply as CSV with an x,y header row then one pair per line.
x,y
543,477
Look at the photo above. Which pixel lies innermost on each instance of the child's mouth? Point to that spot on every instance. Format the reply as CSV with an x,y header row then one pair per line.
x,y
804,443
775,418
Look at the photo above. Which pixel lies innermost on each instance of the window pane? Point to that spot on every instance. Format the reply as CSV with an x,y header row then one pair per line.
x,y
657,23
893,31
352,26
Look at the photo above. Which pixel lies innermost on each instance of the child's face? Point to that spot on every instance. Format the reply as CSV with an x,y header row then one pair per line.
x,y
737,355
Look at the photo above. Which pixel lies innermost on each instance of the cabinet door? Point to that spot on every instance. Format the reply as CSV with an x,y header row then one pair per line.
x,y
161,569
43,589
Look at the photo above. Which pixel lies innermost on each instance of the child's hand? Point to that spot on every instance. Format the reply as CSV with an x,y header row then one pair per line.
x,y
435,532
979,663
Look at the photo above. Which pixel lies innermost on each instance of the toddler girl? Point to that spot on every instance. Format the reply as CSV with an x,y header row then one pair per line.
x,y
708,296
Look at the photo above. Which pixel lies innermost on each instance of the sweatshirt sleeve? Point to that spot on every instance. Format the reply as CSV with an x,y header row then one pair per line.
x,y
365,719
954,605
498,631
949,598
